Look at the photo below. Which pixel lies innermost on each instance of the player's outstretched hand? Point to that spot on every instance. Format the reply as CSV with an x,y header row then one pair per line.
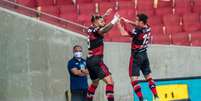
x,y
128,21
108,12
125,20
115,19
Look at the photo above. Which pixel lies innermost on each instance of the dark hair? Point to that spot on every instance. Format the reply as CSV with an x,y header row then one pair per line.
x,y
142,17
95,17
76,47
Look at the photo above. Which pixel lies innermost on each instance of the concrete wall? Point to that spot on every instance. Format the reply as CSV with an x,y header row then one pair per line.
x,y
33,58
166,62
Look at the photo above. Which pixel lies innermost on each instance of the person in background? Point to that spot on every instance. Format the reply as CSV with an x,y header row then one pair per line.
x,y
78,75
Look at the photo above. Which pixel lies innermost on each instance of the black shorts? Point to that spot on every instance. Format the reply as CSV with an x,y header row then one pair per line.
x,y
139,61
97,68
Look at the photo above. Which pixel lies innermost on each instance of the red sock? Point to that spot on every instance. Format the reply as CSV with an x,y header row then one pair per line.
x,y
110,92
137,89
91,92
152,86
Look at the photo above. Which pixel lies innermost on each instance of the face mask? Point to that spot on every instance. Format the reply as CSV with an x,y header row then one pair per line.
x,y
78,54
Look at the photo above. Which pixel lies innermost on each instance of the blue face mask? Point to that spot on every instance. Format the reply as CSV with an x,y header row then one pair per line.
x,y
78,54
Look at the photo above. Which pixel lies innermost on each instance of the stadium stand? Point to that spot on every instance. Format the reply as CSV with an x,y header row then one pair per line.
x,y
195,38
196,6
172,24
68,12
166,17
183,7
164,8
181,38
191,22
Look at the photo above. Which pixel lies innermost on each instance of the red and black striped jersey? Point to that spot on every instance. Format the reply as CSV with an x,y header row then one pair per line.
x,y
95,42
140,38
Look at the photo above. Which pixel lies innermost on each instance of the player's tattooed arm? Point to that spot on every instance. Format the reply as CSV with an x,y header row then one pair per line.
x,y
109,26
105,29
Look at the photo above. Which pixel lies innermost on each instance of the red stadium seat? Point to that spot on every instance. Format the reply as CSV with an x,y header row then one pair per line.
x,y
72,17
164,8
172,24
196,43
160,39
98,1
122,0
180,38
197,6
183,6
126,5
67,9
171,19
104,6
28,3
51,11
84,1
86,11
196,35
155,20
157,30
191,22
127,13
45,2
145,6
68,12
84,19
165,3
163,11
171,29
196,38
64,2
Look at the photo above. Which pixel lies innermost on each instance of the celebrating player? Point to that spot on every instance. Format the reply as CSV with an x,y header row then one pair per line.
x,y
140,34
97,69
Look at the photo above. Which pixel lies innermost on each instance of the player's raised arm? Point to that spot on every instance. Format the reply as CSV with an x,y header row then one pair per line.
x,y
109,26
107,13
128,21
122,30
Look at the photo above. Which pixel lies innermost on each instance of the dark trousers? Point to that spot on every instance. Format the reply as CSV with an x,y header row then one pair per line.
x,y
78,95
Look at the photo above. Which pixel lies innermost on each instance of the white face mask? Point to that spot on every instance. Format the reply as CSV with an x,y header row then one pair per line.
x,y
78,54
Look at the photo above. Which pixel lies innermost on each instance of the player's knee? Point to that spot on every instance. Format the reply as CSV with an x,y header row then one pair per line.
x,y
95,82
134,82
148,76
109,80
134,78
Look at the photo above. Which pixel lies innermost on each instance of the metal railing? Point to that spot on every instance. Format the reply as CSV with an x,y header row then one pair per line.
x,y
70,25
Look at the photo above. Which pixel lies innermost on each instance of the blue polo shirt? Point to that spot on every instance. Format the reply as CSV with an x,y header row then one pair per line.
x,y
77,82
